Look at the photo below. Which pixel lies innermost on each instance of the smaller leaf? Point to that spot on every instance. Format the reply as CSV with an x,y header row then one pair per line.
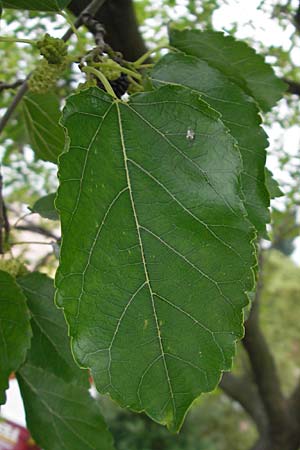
x,y
60,412
235,59
272,185
38,5
15,330
44,206
50,346
60,415
42,114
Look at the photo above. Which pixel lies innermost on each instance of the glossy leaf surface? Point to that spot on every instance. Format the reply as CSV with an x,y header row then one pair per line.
x,y
239,113
15,330
157,251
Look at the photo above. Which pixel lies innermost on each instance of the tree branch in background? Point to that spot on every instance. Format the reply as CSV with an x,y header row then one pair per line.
x,y
37,229
120,23
293,86
12,85
4,224
266,376
297,18
243,391
294,402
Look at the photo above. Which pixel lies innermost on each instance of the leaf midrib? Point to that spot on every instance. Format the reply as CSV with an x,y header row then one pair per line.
x,y
147,278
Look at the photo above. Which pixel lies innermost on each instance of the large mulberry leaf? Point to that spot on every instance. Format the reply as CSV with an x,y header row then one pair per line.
x,y
239,113
235,59
157,251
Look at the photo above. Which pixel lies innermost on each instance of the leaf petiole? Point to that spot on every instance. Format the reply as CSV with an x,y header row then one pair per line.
x,y
16,40
102,78
139,62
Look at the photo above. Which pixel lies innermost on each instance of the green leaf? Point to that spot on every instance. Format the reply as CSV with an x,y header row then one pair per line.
x,y
157,251
50,347
41,114
15,330
44,206
60,412
235,59
60,415
239,114
272,185
38,5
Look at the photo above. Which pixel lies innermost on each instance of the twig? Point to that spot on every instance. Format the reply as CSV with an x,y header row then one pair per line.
x,y
244,391
12,85
4,224
293,86
90,10
31,242
37,229
264,367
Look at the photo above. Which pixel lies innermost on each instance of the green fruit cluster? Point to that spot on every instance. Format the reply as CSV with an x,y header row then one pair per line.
x,y
13,266
110,69
53,49
45,76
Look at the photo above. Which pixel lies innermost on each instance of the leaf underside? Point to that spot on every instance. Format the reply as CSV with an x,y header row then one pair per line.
x,y
15,330
157,251
241,116
235,59
59,410
38,5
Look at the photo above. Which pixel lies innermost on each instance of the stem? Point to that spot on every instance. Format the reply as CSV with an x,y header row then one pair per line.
x,y
31,242
146,66
12,39
133,74
91,9
69,20
146,55
20,219
102,78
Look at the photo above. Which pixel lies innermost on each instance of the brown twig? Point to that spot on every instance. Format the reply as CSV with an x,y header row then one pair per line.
x,y
12,85
4,223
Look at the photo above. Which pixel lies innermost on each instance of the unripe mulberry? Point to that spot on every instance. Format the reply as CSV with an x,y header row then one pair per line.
x,y
45,76
53,49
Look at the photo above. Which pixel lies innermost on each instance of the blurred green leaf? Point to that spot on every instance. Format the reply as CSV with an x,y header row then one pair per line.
x,y
44,206
60,412
37,5
50,346
42,114
15,330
